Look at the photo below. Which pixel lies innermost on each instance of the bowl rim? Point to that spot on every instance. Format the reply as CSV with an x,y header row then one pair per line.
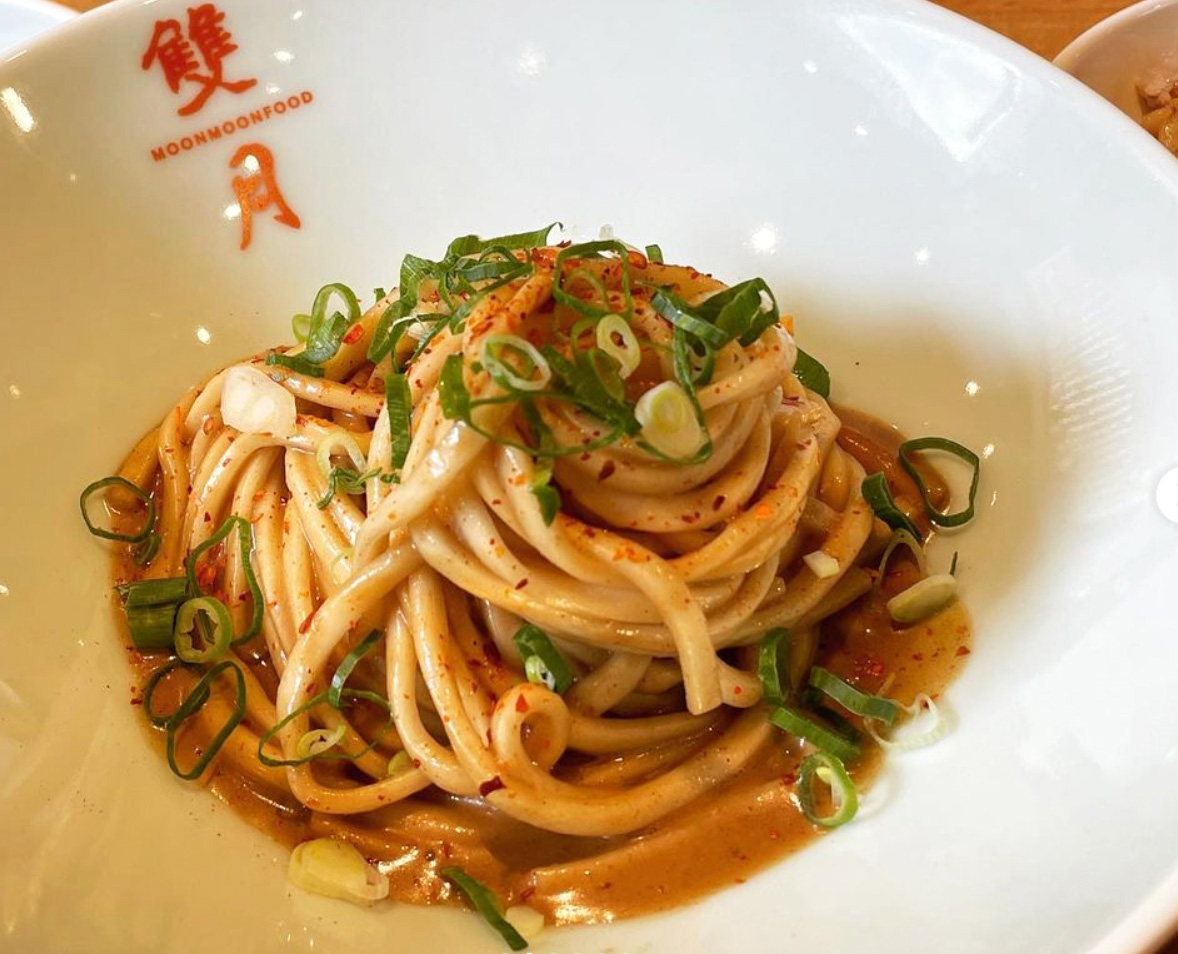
x,y
1069,56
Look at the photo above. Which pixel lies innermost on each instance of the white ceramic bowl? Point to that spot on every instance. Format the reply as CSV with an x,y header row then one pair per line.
x,y
1113,55
975,244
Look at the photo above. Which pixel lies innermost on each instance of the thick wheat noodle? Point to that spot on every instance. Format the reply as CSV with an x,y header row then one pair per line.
x,y
650,569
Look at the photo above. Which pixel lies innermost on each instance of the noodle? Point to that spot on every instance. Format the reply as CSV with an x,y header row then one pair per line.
x,y
529,492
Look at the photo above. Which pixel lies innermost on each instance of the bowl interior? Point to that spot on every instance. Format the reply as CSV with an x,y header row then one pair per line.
x,y
970,244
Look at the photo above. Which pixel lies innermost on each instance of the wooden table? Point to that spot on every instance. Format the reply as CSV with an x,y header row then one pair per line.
x,y
1045,26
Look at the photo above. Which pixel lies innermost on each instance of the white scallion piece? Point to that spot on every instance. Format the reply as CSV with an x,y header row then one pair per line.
x,y
336,869
924,598
528,921
821,564
927,724
617,339
318,741
668,420
254,404
339,441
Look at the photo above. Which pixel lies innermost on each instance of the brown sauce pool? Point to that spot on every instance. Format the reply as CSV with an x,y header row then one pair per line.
x,y
745,825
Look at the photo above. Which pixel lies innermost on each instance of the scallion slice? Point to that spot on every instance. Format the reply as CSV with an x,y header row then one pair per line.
x,y
949,447
772,661
923,598
124,484
316,742
679,314
487,906
904,738
532,372
151,627
879,497
543,662
812,373
617,339
350,661
399,402
192,704
901,538
819,736
655,254
153,592
852,699
218,633
592,249
829,769
245,541
670,423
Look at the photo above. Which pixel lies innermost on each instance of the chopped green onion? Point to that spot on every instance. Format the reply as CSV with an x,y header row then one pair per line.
x,y
349,694
151,627
534,374
334,694
143,553
192,704
124,484
399,402
590,249
679,314
487,906
812,373
923,598
773,652
694,361
876,493
472,244
852,699
901,538
742,311
452,392
158,719
400,763
819,736
829,769
949,447
546,495
543,662
153,592
323,334
217,642
378,293
669,421
655,254
328,446
300,325
318,741
245,542
617,339
342,479
903,740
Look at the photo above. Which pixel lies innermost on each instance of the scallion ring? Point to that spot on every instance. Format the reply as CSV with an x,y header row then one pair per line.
x,y
543,662
805,727
829,769
218,632
192,704
123,484
773,651
245,543
949,447
334,441
852,699
901,538
317,741
923,598
669,421
617,339
532,372
879,496
904,738
487,905
350,661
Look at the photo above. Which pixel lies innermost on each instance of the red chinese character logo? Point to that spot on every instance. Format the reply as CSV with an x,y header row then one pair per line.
x,y
177,55
257,190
